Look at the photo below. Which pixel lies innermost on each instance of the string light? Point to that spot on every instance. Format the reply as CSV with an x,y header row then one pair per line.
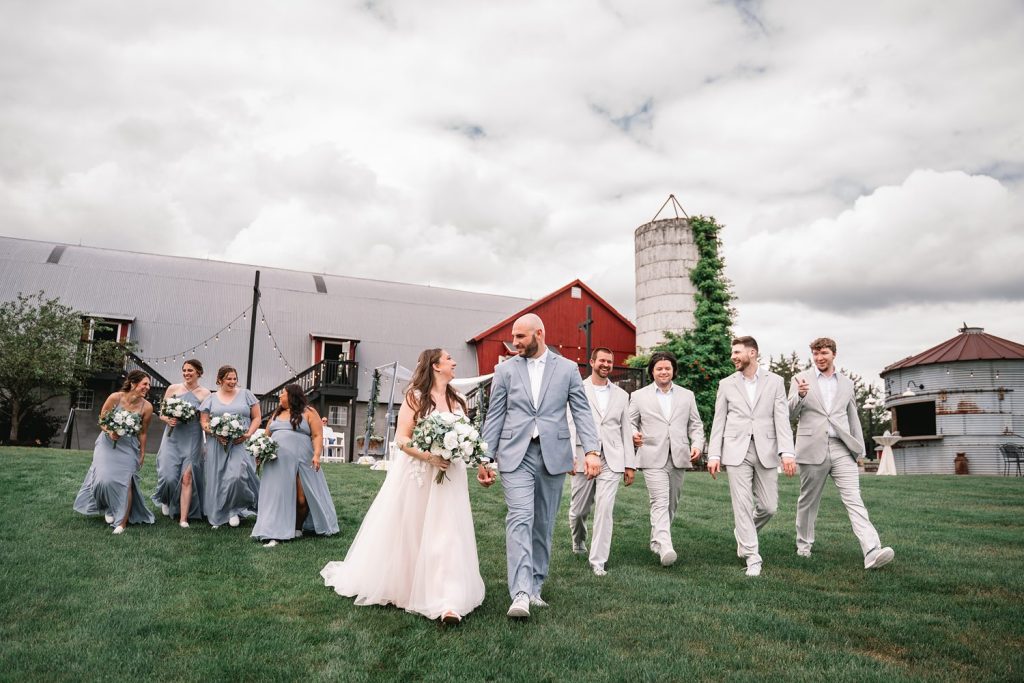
x,y
156,360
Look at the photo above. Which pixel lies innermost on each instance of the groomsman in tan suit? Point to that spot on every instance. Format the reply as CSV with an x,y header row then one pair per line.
x,y
749,435
670,437
609,406
828,441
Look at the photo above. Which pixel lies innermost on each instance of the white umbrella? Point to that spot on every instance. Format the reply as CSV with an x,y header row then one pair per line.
x,y
887,466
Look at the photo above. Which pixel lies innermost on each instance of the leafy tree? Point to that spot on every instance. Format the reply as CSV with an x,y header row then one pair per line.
x,y
42,357
704,351
785,367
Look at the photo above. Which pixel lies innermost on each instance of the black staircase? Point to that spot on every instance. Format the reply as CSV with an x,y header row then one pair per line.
x,y
157,383
328,378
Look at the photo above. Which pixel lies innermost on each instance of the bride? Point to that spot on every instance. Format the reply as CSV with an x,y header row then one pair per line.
x,y
416,547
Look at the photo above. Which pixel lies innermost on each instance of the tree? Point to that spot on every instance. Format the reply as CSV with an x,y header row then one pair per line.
x,y
704,351
42,357
785,367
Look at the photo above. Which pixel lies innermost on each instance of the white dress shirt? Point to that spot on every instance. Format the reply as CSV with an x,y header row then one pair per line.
x,y
829,385
602,392
751,387
535,366
665,400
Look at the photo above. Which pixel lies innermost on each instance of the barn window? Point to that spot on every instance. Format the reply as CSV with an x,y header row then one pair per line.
x,y
915,419
576,293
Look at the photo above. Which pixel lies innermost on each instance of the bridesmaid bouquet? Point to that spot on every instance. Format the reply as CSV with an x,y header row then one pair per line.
x,y
179,409
122,422
228,426
450,436
262,447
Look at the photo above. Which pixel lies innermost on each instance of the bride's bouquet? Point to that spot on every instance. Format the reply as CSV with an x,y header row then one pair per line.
x,y
228,426
262,447
450,436
179,409
122,422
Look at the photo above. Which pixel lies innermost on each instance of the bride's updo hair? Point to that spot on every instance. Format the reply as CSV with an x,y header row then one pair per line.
x,y
417,395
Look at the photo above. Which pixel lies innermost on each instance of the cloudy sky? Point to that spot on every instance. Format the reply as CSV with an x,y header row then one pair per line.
x,y
867,159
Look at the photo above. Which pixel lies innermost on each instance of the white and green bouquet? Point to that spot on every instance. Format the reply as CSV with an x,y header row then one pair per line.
x,y
450,436
178,408
262,447
122,422
228,426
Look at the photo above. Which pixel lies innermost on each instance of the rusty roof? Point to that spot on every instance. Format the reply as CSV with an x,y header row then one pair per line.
x,y
973,343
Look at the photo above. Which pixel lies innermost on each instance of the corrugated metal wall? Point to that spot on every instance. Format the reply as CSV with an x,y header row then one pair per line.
x,y
979,405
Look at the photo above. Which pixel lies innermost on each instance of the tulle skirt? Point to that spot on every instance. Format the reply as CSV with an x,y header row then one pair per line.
x,y
416,547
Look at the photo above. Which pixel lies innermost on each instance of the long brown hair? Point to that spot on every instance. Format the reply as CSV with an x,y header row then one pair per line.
x,y
133,378
423,381
297,405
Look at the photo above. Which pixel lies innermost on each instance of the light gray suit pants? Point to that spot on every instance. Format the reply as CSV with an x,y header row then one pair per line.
x,y
532,496
664,485
839,463
754,489
597,494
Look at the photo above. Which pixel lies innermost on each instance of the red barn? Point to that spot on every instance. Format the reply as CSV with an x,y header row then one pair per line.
x,y
562,312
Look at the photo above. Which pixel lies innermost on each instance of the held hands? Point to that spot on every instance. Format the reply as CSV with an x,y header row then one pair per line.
x,y
113,435
638,439
694,454
592,464
439,462
801,387
627,476
485,476
172,421
789,465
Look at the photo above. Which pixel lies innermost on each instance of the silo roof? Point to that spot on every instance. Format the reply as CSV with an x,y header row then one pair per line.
x,y
973,343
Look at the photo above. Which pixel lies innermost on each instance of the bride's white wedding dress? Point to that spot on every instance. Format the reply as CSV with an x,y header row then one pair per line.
x,y
416,547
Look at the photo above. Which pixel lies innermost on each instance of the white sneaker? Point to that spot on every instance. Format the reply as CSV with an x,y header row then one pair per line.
x,y
119,530
656,548
215,526
164,508
668,558
108,518
803,552
183,525
234,521
520,608
754,569
878,558
598,570
270,544
537,601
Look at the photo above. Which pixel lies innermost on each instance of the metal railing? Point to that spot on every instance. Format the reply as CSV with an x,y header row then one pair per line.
x,y
327,374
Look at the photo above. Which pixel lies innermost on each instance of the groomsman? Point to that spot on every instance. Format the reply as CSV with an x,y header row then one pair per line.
x,y
828,441
670,437
750,432
609,406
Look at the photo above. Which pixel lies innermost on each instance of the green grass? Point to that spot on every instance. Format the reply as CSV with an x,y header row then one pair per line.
x,y
162,604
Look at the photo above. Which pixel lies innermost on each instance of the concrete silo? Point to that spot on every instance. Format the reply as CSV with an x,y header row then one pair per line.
x,y
665,255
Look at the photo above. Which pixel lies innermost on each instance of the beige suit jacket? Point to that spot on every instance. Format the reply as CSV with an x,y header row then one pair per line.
x,y
682,430
613,429
736,421
814,418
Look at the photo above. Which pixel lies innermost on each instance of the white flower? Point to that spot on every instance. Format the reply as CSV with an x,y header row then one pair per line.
x,y
436,449
462,429
450,418
467,448
451,440
236,424
446,454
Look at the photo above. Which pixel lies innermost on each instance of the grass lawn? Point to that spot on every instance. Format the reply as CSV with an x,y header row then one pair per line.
x,y
162,603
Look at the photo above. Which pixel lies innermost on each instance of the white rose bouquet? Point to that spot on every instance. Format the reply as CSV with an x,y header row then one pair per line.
x,y
450,436
262,447
122,422
180,409
228,426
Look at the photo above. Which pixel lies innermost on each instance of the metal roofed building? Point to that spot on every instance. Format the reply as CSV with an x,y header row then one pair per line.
x,y
168,306
965,395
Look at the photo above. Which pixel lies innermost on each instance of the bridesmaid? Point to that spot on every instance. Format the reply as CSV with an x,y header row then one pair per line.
x,y
293,491
179,461
230,486
112,484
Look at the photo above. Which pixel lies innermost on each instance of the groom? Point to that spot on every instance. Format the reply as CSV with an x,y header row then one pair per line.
x,y
526,431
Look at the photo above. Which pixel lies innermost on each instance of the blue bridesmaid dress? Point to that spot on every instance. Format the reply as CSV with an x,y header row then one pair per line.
x,y
278,491
181,449
230,485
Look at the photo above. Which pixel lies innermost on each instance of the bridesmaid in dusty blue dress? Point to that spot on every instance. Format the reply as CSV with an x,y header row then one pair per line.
x,y
230,486
179,462
293,491
111,486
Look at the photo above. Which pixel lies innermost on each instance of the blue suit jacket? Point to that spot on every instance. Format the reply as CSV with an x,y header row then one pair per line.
x,y
511,415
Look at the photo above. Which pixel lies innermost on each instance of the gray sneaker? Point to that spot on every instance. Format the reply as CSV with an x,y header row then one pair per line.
x,y
878,558
520,608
